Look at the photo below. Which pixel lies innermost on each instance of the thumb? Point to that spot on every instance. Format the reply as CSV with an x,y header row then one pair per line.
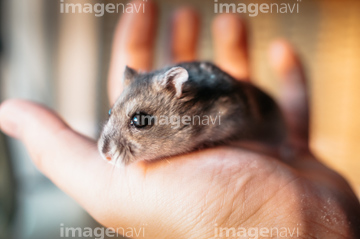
x,y
67,158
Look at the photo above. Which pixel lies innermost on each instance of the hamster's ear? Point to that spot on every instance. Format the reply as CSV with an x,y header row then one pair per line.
x,y
129,76
175,77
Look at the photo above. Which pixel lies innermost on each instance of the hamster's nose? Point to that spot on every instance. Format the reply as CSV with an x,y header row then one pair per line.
x,y
108,157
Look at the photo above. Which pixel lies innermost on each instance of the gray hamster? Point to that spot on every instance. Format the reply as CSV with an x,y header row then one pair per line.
x,y
186,107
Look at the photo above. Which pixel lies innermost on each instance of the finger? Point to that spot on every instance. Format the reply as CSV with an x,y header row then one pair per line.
x,y
70,160
185,35
294,95
230,45
133,45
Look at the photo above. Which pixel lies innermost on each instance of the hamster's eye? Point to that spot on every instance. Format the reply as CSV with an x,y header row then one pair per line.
x,y
141,120
110,112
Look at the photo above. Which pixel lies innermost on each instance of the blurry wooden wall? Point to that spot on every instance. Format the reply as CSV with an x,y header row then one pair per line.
x,y
336,88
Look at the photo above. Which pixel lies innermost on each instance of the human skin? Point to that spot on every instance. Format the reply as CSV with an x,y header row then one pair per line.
x,y
193,195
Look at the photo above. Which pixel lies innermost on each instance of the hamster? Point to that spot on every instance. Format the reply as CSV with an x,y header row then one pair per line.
x,y
183,108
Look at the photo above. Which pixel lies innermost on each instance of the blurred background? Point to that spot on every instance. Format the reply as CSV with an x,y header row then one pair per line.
x,y
61,60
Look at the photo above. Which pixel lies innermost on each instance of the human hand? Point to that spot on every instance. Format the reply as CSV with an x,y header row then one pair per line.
x,y
191,196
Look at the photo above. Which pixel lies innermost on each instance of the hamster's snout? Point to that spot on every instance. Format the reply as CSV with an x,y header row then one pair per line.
x,y
103,147
109,150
